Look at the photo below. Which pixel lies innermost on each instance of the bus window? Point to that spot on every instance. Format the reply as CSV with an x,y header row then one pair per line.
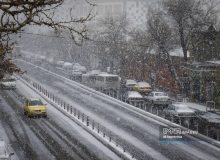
x,y
111,79
99,78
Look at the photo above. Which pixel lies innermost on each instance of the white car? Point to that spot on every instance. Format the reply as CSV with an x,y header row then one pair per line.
x,y
60,63
158,98
8,83
5,153
133,96
179,110
129,84
79,68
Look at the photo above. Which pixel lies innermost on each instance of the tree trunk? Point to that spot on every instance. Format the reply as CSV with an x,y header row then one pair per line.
x,y
182,41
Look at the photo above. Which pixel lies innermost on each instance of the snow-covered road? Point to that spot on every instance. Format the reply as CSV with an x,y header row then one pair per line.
x,y
141,133
19,134
55,137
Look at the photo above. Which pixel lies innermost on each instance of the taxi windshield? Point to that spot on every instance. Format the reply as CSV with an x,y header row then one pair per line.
x,y
35,103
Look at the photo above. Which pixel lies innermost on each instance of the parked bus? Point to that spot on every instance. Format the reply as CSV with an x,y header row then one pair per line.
x,y
107,81
89,78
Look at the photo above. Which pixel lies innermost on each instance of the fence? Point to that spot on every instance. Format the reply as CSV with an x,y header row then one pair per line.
x,y
144,105
210,106
139,103
87,121
154,109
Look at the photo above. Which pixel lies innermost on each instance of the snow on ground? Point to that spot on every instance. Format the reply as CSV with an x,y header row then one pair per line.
x,y
197,106
108,106
23,131
136,142
4,137
154,131
3,134
69,125
211,117
150,128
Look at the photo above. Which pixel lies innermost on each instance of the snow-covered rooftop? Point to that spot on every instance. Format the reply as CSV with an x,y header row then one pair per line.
x,y
182,107
211,117
134,94
196,106
178,52
107,75
130,81
144,84
215,62
67,65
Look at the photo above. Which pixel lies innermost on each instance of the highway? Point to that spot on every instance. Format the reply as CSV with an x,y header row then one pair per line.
x,y
139,133
55,137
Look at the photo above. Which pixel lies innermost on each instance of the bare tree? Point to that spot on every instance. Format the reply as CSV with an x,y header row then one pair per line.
x,y
111,40
161,34
189,16
163,39
15,15
140,46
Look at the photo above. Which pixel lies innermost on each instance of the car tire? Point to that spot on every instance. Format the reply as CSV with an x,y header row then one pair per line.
x,y
29,116
25,113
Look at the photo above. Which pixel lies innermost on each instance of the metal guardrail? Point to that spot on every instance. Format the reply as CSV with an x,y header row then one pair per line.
x,y
89,122
151,111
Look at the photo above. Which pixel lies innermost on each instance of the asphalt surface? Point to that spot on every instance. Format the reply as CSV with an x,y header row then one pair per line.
x,y
140,134
43,138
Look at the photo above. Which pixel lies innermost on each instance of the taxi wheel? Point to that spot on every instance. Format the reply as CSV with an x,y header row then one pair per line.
x,y
25,113
28,115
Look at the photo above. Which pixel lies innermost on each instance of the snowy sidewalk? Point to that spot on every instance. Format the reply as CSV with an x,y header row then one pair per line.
x,y
3,134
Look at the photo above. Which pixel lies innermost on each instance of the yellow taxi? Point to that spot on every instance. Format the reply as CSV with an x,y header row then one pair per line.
x,y
34,107
142,87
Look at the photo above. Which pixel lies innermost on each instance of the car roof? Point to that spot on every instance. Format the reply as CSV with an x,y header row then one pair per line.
x,y
179,104
103,74
143,84
157,92
182,107
131,81
134,94
154,92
